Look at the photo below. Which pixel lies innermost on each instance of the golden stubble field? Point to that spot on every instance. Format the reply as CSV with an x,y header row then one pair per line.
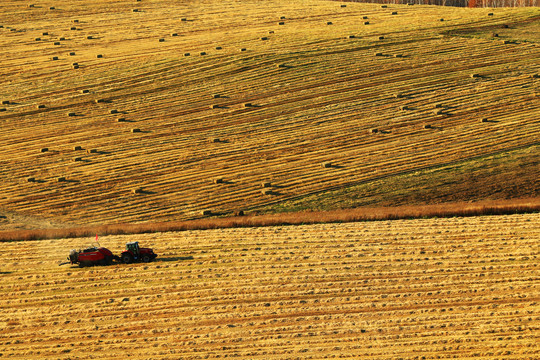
x,y
410,289
124,109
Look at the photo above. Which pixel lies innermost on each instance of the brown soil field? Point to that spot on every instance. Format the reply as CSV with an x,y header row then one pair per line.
x,y
408,289
256,101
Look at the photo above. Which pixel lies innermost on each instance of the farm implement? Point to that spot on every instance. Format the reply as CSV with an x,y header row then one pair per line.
x,y
92,255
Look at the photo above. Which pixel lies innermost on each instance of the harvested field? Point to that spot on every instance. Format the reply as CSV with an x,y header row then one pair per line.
x,y
314,92
409,289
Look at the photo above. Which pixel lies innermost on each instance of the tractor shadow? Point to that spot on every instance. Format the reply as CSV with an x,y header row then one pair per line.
x,y
174,258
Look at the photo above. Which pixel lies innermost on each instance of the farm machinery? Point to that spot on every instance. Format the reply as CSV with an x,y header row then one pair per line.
x,y
102,256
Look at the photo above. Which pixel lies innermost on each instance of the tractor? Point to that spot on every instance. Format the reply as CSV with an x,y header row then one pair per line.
x,y
135,253
91,256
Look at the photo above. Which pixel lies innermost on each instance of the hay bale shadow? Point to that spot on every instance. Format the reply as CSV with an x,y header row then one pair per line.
x,y
174,258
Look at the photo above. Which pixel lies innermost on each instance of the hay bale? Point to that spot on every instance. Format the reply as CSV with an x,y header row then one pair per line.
x,y
437,105
282,17
329,23
373,131
394,12
215,140
56,43
398,55
3,109
44,149
472,76
490,14
174,34
187,54
31,179
343,5
202,53
506,42
214,106
247,105
72,54
137,190
60,179
135,130
381,37
55,57
270,31
243,49
438,111
75,20
183,19
218,48
366,22
73,28
84,91
504,26
206,212
218,180
403,107
121,119
37,39
326,164
384,6
281,23
266,184
5,102
161,40
135,10
351,37
62,39
264,38
78,158
113,111
31,5
52,8
441,20
398,95
427,126
77,148
484,120
216,96
364,17
97,101
89,37
41,106
99,56
239,213
281,66
91,151
495,35
378,54
75,66
71,114
535,76
45,33
266,192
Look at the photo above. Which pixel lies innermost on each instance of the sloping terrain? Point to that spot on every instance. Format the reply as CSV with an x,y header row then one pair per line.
x,y
410,289
153,110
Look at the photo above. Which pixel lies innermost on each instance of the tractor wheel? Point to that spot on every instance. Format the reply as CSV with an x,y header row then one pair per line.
x,y
146,258
127,258
108,260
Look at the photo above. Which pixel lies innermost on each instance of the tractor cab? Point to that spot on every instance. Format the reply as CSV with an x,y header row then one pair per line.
x,y
135,253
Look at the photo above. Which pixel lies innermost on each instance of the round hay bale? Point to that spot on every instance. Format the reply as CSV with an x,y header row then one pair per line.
x,y
60,179
97,101
187,54
441,20
373,131
135,130
71,114
31,179
343,5
77,148
75,20
62,39
504,26
206,212
506,42
215,140
41,106
437,105
77,158
281,66
91,151
137,190
218,180
282,17
270,31
113,111
135,10
51,8
31,5
438,111
266,184
535,76
44,149
490,14
326,164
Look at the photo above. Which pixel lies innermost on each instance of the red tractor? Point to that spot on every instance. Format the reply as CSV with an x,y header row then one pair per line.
x,y
91,256
135,253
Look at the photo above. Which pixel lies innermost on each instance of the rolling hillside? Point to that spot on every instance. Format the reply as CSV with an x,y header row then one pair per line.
x,y
410,289
131,111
